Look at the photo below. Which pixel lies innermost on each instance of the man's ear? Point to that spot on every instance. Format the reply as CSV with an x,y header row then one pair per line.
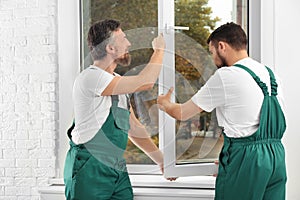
x,y
110,49
221,46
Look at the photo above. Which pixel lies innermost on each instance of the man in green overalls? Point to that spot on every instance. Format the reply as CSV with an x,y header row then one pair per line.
x,y
95,168
249,106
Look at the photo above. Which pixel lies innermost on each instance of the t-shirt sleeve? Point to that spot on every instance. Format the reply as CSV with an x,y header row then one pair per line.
x,y
211,95
95,81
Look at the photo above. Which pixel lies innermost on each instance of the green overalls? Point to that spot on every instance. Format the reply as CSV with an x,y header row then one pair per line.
x,y
97,170
253,168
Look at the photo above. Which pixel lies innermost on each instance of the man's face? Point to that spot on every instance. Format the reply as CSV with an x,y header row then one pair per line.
x,y
121,45
217,57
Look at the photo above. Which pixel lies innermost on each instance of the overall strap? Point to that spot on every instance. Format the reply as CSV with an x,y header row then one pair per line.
x,y
261,84
115,101
273,82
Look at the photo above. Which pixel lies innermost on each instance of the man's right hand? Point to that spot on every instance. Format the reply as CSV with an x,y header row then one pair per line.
x,y
158,43
164,100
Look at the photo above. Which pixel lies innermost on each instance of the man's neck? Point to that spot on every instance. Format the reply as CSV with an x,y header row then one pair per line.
x,y
237,56
106,65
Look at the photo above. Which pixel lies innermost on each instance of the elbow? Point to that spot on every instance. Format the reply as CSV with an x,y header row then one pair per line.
x,y
180,117
148,86
184,118
144,87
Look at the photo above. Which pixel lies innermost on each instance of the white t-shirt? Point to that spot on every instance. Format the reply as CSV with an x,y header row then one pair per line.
x,y
236,97
90,108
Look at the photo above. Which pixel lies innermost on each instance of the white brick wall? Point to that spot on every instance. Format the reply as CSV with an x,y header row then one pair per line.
x,y
28,96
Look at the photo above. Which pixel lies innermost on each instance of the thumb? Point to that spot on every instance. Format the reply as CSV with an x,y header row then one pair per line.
x,y
170,92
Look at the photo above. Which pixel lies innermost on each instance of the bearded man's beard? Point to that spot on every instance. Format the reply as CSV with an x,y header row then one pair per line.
x,y
222,60
125,60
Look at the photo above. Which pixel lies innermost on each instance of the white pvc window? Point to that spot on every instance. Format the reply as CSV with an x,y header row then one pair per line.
x,y
178,140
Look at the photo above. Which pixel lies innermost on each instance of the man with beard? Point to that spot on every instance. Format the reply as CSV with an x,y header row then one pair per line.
x,y
249,106
95,167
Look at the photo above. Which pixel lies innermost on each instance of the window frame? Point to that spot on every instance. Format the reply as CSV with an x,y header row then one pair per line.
x,y
69,67
166,80
167,124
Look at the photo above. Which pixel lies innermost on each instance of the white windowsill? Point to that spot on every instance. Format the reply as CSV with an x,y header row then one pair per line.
x,y
155,185
196,182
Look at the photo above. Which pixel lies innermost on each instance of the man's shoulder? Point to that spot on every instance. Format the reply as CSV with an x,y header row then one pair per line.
x,y
93,74
227,70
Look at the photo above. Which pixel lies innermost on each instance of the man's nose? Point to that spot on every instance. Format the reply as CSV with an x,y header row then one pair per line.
x,y
129,44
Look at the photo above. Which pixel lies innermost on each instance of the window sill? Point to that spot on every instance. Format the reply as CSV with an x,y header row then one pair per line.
x,y
195,182
151,187
158,181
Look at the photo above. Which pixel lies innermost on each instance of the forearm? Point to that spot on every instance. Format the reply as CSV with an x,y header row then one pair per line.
x,y
178,111
149,148
145,80
173,109
139,136
151,72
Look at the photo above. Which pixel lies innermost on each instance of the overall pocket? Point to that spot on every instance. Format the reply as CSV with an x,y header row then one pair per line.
x,y
81,160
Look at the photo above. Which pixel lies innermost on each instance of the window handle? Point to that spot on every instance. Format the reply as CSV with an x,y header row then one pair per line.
x,y
167,28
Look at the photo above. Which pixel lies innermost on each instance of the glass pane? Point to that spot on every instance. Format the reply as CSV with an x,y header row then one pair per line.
x,y
199,139
139,21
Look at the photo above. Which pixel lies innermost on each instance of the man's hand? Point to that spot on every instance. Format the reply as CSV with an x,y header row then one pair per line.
x,y
164,100
158,43
162,170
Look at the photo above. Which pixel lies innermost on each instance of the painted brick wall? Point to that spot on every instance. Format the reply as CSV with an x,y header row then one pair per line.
x,y
28,97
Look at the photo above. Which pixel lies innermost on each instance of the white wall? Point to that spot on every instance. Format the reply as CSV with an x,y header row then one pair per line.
x,y
28,96
280,50
287,55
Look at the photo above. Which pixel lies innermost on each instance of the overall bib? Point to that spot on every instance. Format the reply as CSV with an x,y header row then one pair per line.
x,y
97,170
253,167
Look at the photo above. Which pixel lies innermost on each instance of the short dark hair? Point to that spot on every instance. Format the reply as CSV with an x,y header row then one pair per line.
x,y
99,35
231,33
